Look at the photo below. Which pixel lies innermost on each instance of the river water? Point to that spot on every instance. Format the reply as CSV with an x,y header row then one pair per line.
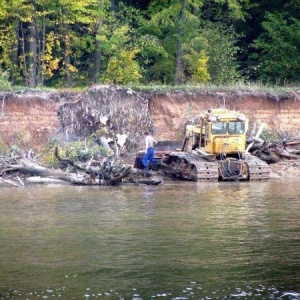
x,y
181,240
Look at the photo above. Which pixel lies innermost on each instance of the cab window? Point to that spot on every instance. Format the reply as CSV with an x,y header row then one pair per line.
x,y
206,131
219,128
236,127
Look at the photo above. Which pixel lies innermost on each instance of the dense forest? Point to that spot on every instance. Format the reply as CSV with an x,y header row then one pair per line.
x,y
68,43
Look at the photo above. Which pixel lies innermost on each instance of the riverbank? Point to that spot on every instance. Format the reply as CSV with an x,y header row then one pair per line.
x,y
285,169
31,119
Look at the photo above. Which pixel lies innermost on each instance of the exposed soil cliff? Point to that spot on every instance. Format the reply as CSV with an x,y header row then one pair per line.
x,y
31,118
170,111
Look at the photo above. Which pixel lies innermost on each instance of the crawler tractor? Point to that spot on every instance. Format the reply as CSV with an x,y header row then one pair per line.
x,y
213,150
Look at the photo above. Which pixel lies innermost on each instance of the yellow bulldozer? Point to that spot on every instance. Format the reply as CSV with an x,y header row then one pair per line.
x,y
213,149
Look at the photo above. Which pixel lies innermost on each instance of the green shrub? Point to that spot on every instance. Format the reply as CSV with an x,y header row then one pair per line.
x,y
4,148
274,135
76,151
5,84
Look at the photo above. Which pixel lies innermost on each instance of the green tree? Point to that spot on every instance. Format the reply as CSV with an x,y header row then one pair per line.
x,y
220,45
189,41
126,49
199,67
75,42
175,23
226,12
51,39
278,48
103,9
76,20
121,66
17,38
8,44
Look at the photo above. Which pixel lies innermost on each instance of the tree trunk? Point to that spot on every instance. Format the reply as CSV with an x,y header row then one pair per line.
x,y
68,50
42,47
14,53
25,166
208,9
23,51
69,77
179,71
113,5
32,47
98,45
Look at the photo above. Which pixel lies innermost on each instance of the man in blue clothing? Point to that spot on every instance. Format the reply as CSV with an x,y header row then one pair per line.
x,y
149,152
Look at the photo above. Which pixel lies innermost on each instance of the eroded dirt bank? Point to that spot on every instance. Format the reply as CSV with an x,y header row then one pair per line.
x,y
30,118
169,111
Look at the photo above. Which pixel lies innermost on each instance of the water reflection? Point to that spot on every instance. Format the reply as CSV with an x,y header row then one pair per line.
x,y
176,241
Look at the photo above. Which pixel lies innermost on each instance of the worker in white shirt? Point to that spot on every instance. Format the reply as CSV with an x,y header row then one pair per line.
x,y
149,151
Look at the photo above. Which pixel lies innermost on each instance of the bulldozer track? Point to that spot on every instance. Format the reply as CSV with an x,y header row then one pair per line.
x,y
258,169
195,168
207,171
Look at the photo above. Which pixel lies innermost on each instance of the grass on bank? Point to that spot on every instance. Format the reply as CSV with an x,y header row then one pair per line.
x,y
241,86
252,87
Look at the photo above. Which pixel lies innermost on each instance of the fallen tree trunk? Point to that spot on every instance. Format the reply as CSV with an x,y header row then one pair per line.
x,y
27,167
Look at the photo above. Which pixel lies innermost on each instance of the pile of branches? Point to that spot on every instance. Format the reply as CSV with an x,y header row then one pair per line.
x,y
109,171
284,148
275,151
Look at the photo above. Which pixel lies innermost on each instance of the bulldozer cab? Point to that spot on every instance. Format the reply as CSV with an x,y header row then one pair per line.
x,y
219,132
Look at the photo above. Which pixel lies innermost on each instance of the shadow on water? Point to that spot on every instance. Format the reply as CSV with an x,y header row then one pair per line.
x,y
176,241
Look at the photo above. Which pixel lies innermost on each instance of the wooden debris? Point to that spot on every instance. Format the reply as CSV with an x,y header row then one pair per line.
x,y
273,152
108,171
117,116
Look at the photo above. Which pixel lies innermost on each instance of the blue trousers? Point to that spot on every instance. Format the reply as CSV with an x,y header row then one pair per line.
x,y
148,157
